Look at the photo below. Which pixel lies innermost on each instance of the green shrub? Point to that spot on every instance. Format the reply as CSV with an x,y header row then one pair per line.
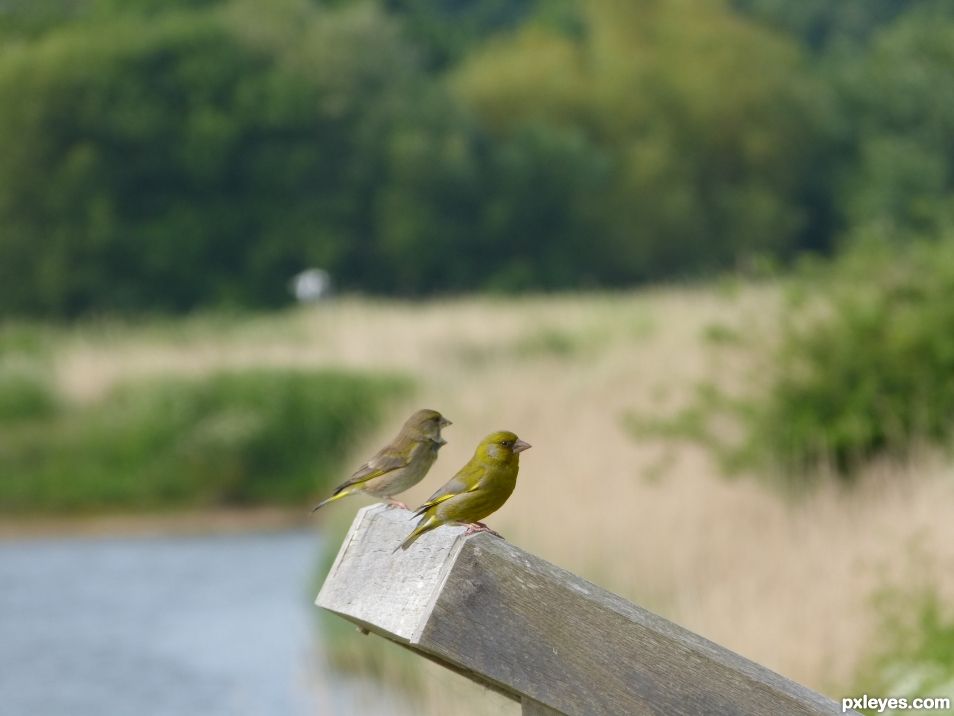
x,y
25,393
863,369
251,437
22,339
866,364
914,653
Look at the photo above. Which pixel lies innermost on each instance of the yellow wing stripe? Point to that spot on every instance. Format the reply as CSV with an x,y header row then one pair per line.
x,y
438,500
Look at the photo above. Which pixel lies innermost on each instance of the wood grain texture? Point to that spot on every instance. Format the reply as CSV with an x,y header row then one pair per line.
x,y
539,633
529,707
388,593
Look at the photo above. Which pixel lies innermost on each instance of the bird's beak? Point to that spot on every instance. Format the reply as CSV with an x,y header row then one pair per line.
x,y
445,422
520,446
440,442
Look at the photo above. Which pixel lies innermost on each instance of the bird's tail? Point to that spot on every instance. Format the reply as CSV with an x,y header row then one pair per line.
x,y
426,524
338,496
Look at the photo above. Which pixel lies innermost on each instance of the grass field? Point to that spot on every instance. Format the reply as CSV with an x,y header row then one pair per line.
x,y
789,581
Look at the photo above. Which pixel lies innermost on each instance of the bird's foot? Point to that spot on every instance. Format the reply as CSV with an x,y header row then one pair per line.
x,y
392,503
475,527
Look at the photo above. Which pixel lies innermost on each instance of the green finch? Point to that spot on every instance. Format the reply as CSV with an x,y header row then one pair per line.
x,y
400,464
479,488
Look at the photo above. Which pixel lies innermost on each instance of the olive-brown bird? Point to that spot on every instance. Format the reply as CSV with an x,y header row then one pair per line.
x,y
400,464
477,490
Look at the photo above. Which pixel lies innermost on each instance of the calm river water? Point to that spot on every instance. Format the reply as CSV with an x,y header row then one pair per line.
x,y
165,625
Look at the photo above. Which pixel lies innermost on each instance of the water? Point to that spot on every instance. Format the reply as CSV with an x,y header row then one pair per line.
x,y
163,625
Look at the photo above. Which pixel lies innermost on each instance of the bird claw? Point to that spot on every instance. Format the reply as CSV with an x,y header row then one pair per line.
x,y
475,527
392,503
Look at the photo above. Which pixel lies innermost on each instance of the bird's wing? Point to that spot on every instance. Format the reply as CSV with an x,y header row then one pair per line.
x,y
386,460
455,486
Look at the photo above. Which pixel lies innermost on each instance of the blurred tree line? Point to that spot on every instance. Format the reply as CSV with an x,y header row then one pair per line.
x,y
168,154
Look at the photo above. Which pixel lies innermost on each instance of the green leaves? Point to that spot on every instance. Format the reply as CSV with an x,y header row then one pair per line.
x,y
903,180
192,157
167,156
866,370
703,160
259,436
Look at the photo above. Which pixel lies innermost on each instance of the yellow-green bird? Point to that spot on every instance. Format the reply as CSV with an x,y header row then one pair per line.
x,y
477,490
400,464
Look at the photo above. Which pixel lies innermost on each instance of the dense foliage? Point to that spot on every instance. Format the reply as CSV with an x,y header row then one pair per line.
x,y
248,437
865,367
165,155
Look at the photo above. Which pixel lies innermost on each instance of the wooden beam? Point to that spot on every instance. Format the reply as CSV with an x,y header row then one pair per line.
x,y
541,635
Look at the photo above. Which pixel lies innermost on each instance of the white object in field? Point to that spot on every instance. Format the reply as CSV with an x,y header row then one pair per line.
x,y
311,285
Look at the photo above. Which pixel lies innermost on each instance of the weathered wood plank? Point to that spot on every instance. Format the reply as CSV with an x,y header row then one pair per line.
x,y
539,633
389,593
535,708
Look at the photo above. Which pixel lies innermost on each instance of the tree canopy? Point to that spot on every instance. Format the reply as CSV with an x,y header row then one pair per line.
x,y
170,155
